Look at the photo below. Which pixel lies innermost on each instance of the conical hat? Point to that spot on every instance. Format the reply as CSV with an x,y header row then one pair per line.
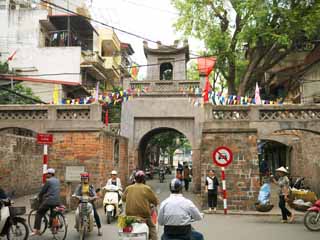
x,y
282,169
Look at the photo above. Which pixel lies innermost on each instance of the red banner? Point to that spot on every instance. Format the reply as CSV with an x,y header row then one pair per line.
x,y
205,67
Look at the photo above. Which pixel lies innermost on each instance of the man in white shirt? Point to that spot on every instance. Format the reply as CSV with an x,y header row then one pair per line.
x,y
177,213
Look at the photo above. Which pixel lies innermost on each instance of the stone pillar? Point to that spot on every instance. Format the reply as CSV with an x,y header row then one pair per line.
x,y
196,170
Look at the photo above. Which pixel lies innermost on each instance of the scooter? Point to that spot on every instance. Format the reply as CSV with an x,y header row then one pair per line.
x,y
312,217
84,216
112,203
161,174
11,225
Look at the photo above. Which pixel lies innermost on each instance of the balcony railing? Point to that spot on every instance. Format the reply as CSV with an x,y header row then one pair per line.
x,y
92,57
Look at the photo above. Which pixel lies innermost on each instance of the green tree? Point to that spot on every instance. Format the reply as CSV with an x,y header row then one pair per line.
x,y
18,95
248,37
168,142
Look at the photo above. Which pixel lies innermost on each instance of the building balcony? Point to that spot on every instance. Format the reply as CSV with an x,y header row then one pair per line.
x,y
112,64
94,65
109,43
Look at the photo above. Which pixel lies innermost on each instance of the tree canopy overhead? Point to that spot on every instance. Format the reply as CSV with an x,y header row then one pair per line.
x,y
248,37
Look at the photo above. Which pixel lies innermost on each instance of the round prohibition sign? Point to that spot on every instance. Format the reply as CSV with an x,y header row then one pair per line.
x,y
222,156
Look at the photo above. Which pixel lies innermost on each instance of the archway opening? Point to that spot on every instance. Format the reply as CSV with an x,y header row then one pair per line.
x,y
272,155
164,146
166,71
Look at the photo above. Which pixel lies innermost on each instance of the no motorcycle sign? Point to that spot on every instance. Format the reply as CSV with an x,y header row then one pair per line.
x,y
222,156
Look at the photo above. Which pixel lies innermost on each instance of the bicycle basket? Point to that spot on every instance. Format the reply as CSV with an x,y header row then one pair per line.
x,y
14,211
34,203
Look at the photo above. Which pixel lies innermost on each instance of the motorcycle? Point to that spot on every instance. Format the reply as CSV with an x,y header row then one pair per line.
x,y
148,173
112,203
161,175
84,216
312,217
12,226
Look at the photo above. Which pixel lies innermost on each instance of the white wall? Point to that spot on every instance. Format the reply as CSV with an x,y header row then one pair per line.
x,y
20,30
50,60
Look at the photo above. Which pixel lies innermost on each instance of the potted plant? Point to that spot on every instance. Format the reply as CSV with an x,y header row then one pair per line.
x,y
125,223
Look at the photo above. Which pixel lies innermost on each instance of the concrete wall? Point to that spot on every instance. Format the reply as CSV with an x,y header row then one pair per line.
x,y
179,67
311,84
20,164
20,28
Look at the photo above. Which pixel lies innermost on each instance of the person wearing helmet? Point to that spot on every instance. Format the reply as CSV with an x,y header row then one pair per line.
x,y
176,214
49,198
138,198
114,180
86,189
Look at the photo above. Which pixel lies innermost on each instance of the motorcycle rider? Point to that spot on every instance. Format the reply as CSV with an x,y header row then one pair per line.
x,y
114,180
138,198
49,198
86,189
176,214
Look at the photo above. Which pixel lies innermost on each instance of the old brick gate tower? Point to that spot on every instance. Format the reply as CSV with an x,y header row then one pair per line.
x,y
282,135
286,135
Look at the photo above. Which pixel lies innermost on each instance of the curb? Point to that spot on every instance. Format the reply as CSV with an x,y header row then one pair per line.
x,y
248,213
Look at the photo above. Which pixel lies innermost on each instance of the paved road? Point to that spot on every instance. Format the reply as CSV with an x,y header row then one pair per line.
x,y
216,226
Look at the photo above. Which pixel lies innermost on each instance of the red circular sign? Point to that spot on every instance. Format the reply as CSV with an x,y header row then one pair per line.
x,y
222,156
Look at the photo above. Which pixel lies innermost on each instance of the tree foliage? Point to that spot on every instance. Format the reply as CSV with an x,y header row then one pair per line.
x,y
169,142
24,95
248,37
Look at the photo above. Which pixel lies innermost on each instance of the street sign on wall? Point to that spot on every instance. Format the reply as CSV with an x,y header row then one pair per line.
x,y
44,138
73,173
222,156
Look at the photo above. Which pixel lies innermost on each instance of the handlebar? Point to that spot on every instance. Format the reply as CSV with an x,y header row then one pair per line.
x,y
84,198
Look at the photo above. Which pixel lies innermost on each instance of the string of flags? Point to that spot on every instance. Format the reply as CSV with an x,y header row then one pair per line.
x,y
194,94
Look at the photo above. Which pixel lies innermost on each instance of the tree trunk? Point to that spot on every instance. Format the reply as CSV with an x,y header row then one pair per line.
x,y
232,78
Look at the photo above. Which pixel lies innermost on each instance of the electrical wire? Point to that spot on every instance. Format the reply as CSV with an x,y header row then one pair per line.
x,y
21,95
107,25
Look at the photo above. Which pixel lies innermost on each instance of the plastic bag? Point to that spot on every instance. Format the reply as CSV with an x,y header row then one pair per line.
x,y
264,193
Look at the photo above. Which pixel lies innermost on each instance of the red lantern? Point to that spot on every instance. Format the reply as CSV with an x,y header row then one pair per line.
x,y
205,67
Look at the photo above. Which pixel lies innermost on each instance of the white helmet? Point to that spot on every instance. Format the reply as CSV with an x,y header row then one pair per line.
x,y
114,172
50,171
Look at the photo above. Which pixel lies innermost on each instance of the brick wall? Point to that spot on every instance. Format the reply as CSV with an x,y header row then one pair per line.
x,y
305,158
20,164
94,151
242,176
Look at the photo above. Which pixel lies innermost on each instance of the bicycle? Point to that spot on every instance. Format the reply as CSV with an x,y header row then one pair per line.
x,y
56,222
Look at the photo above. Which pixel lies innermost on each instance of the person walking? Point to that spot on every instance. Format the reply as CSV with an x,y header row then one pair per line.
x,y
49,198
212,187
186,177
283,183
138,198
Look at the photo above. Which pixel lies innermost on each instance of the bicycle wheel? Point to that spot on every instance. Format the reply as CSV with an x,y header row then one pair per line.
x,y
44,221
59,227
18,230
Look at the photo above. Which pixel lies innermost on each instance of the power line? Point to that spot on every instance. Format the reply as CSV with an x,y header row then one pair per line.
x,y
107,25
22,95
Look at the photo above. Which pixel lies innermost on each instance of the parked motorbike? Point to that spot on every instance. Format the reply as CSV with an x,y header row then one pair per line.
x,y
312,217
84,216
112,203
12,226
161,174
148,173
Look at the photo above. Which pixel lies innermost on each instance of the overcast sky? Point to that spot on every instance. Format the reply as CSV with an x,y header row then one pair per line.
x,y
152,19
